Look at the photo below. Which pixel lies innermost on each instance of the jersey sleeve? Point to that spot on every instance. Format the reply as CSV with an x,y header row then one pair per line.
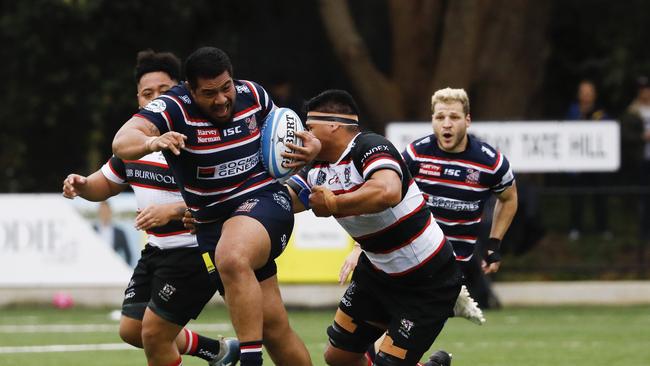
x,y
264,99
162,112
504,176
374,153
114,170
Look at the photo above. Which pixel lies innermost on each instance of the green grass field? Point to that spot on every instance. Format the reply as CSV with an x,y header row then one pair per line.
x,y
517,336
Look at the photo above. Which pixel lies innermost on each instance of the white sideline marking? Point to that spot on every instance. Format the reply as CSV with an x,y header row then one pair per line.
x,y
95,328
68,348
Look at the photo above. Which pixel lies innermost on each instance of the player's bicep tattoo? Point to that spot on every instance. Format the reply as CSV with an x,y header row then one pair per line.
x,y
151,129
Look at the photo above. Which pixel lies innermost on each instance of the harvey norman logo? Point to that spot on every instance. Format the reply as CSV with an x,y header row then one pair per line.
x,y
205,135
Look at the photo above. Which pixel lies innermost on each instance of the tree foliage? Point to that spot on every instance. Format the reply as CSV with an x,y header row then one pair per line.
x,y
68,83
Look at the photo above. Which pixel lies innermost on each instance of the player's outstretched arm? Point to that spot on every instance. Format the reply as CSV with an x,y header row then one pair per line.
x,y
159,215
95,187
139,137
504,211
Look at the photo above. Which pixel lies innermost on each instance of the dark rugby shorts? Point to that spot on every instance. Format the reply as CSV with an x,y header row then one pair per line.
x,y
174,283
272,208
413,308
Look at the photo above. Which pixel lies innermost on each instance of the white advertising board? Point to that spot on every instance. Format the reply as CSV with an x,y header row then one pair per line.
x,y
45,242
311,232
537,146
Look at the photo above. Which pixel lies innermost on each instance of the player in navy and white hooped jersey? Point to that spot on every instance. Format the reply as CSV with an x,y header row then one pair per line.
x,y
458,173
456,186
209,132
172,280
407,279
225,163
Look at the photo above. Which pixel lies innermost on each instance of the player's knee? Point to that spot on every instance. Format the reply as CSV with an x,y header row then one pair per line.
x,y
131,336
231,265
130,332
275,330
334,357
150,336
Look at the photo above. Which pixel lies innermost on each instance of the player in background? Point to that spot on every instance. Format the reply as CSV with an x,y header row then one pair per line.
x,y
457,174
407,279
209,131
158,301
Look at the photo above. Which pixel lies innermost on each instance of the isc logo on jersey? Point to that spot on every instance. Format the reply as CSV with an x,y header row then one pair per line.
x,y
156,106
279,128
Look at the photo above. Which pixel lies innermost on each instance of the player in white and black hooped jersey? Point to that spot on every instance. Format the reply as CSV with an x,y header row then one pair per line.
x,y
153,184
208,129
407,279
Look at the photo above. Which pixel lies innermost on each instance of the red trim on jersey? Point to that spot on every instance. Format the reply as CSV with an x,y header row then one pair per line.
x,y
453,182
182,108
257,104
377,157
227,143
154,187
234,186
145,162
110,166
462,237
169,120
409,240
417,209
167,234
440,245
474,221
343,162
423,156
267,180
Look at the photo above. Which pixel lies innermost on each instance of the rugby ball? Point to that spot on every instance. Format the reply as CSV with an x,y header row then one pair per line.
x,y
279,128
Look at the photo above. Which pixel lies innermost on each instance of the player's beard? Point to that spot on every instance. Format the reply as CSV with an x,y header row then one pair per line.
x,y
221,113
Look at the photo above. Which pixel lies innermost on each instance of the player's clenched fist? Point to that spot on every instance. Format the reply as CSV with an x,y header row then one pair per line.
x,y
322,201
72,185
171,140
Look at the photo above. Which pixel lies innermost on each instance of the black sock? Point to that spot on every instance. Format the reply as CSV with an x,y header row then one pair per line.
x,y
250,353
200,346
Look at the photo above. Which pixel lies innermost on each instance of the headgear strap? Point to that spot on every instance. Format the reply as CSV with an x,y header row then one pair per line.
x,y
348,119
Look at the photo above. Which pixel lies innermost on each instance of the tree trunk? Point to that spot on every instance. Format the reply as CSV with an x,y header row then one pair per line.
x,y
494,49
